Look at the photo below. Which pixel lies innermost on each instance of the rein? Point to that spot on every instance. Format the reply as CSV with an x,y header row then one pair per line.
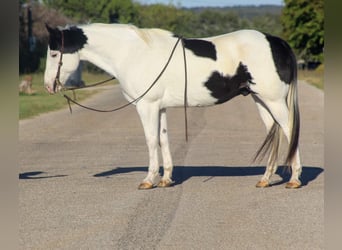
x,y
58,83
90,85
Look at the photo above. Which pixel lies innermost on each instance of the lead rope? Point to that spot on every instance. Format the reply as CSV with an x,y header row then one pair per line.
x,y
90,85
69,100
185,93
135,100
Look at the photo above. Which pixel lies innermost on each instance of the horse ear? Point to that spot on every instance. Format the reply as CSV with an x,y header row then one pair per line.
x,y
48,27
54,37
51,30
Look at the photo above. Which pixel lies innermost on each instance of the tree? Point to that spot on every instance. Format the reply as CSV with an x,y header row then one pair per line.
x,y
158,16
107,11
213,22
268,23
303,27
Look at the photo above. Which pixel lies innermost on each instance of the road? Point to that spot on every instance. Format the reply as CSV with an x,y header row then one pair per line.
x,y
79,175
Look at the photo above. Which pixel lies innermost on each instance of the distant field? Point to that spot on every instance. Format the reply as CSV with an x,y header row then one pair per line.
x,y
41,102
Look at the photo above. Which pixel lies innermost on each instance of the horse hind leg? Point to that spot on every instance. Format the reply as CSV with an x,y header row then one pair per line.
x,y
166,180
271,129
280,113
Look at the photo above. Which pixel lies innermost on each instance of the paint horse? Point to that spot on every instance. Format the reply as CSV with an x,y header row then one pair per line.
x,y
218,69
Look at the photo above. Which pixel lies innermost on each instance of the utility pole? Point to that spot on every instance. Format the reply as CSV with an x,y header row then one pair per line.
x,y
31,38
30,43
29,24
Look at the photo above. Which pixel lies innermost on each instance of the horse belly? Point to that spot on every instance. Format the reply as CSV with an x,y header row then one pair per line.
x,y
197,95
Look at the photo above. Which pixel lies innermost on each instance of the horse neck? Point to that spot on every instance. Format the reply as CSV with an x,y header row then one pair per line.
x,y
109,46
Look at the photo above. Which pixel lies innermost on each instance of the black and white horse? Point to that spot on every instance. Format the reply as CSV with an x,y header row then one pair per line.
x,y
218,69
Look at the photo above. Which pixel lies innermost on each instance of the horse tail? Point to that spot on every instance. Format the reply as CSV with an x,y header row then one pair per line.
x,y
294,118
273,138
270,144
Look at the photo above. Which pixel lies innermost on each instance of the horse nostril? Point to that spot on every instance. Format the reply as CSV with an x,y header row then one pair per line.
x,y
48,88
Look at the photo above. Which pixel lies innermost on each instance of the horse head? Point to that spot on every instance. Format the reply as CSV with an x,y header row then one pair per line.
x,y
62,60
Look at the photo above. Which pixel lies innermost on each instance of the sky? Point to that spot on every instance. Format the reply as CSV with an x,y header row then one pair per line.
x,y
212,3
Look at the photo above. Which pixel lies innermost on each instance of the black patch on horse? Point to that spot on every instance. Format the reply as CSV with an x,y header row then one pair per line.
x,y
283,57
224,88
74,39
201,48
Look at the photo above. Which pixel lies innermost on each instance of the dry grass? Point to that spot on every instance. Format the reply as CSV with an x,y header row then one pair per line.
x,y
314,77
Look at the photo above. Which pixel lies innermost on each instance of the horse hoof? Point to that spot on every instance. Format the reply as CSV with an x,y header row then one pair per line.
x,y
293,184
145,186
165,183
262,184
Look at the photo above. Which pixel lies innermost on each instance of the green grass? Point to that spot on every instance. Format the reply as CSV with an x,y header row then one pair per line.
x,y
41,102
314,77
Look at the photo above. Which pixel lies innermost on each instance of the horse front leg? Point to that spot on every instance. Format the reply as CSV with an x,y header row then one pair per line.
x,y
166,180
149,115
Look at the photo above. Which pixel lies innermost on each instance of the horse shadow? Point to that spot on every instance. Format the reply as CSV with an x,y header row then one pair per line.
x,y
183,173
35,175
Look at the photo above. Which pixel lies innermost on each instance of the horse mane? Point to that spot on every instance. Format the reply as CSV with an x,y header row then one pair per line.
x,y
143,34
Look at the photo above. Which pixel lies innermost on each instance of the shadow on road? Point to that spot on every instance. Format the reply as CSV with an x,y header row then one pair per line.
x,y
34,175
183,173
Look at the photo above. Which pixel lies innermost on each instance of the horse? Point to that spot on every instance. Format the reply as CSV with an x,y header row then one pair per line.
x,y
216,69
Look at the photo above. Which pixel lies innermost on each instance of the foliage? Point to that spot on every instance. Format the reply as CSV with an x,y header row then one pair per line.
x,y
203,22
210,23
160,16
268,23
107,11
186,23
303,23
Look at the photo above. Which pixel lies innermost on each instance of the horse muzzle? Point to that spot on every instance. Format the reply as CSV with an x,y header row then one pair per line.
x,y
55,87
52,90
49,89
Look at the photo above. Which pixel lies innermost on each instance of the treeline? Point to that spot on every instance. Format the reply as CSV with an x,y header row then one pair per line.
x,y
202,22
195,22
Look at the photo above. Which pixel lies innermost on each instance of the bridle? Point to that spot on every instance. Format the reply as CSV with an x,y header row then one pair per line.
x,y
57,83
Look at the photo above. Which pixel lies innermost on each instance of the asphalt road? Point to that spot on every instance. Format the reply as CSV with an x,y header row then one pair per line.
x,y
79,175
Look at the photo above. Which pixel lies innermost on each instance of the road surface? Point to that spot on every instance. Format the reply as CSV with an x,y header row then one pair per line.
x,y
79,175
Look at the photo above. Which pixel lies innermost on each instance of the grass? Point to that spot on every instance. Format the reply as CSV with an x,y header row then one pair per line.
x,y
40,101
314,77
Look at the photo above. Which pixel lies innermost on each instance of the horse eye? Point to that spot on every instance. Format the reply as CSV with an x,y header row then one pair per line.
x,y
54,55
